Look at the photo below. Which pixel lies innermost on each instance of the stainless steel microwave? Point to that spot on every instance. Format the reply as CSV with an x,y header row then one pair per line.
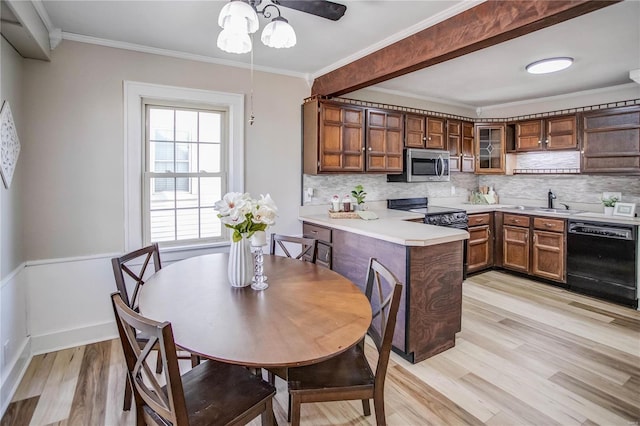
x,y
423,165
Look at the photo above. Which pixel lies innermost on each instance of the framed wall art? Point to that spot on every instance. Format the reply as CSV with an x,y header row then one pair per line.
x,y
10,145
624,209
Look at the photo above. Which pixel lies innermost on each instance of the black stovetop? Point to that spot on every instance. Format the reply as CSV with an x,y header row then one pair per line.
x,y
420,205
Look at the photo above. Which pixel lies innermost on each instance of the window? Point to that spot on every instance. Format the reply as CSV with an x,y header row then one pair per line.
x,y
184,173
183,149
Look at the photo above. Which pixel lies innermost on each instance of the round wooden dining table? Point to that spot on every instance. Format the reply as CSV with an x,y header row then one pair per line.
x,y
307,314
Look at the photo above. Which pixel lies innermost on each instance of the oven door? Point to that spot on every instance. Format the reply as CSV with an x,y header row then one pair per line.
x,y
427,166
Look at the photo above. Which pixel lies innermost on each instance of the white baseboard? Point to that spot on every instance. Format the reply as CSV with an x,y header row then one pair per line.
x,y
16,371
65,339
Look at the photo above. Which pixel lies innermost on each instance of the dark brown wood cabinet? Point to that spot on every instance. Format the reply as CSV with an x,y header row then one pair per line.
x,y
344,138
384,141
422,131
534,245
333,137
324,237
460,146
549,134
611,140
515,242
548,249
490,148
480,242
468,154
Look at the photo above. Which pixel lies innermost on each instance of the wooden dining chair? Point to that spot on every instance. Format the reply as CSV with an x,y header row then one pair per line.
x,y
349,376
283,243
212,393
132,268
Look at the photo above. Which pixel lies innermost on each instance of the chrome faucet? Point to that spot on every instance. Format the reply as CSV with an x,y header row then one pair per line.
x,y
550,197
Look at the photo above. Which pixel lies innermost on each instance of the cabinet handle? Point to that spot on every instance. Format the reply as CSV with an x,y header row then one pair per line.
x,y
539,142
363,149
548,225
369,148
546,141
534,238
516,221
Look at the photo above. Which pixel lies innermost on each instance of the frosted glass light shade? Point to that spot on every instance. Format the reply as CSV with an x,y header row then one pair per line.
x,y
235,13
234,42
279,34
546,66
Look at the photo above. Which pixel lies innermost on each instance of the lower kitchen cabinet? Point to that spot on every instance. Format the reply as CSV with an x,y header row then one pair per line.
x,y
324,237
480,242
534,246
548,248
515,242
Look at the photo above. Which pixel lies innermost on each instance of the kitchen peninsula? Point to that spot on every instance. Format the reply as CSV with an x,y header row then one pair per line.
x,y
427,259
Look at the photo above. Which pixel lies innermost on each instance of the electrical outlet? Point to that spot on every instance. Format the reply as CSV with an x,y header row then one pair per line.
x,y
308,195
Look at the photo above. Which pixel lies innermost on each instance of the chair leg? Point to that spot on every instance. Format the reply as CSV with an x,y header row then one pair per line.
x,y
159,364
378,404
271,378
295,410
128,395
289,410
268,418
195,360
366,407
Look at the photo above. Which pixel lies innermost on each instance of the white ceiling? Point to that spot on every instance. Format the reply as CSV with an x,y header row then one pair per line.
x,y
604,43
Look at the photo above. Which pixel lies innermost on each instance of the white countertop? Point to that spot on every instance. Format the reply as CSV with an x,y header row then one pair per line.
x,y
391,226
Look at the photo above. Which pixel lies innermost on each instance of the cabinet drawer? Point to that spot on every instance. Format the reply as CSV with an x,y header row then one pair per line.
x,y
479,219
548,224
516,220
317,232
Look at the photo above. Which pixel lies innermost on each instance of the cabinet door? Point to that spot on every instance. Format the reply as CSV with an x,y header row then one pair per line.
x,y
384,141
435,133
561,133
490,155
611,141
341,138
515,252
479,248
548,255
454,144
468,163
529,135
415,131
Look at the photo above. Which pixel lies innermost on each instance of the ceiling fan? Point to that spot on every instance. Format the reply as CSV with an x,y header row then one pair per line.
x,y
323,8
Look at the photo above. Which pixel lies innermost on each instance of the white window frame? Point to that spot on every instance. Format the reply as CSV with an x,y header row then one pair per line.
x,y
134,128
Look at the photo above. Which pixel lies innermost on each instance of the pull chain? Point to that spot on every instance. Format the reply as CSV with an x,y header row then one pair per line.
x,y
251,116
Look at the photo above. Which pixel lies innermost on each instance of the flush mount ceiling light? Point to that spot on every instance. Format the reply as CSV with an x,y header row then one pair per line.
x,y
549,65
239,18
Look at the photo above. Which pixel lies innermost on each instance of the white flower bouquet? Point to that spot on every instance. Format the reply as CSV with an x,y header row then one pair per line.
x,y
246,215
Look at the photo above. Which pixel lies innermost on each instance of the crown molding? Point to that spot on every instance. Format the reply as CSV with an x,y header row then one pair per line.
x,y
625,86
432,20
420,97
175,54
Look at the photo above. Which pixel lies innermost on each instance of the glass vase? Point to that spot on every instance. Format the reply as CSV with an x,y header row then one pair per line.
x,y
240,268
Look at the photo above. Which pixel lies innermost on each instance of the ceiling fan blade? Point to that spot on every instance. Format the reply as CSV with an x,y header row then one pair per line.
x,y
322,8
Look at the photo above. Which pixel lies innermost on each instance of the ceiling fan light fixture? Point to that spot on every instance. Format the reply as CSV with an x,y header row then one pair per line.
x,y
279,34
237,13
234,42
549,65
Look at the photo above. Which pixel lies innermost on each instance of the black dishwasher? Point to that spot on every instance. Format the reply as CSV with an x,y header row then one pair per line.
x,y
602,260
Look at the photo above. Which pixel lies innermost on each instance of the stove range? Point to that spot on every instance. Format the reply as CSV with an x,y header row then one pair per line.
x,y
434,215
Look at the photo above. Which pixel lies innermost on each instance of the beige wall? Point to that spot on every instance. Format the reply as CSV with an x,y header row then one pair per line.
x,y
10,216
74,154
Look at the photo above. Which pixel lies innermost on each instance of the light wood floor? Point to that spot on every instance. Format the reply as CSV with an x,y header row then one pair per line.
x,y
528,353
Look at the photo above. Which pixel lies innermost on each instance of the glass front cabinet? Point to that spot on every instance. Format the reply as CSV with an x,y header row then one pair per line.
x,y
490,148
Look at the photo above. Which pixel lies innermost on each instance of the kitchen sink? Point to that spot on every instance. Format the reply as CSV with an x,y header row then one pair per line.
x,y
547,210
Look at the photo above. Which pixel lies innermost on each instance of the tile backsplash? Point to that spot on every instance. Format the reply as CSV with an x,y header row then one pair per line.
x,y
583,191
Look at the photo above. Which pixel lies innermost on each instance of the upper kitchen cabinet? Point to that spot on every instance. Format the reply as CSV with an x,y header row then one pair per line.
x,y
333,137
460,146
611,140
490,148
422,131
548,134
384,141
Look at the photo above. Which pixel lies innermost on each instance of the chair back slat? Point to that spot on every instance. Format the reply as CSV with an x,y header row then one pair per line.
x,y
168,401
283,243
130,266
383,290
